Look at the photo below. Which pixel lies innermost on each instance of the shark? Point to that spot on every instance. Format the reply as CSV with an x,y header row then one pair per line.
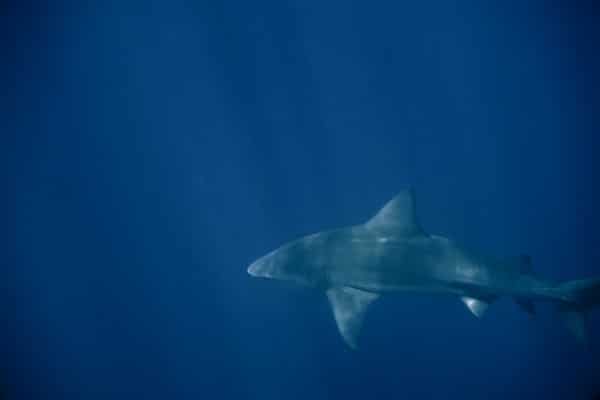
x,y
354,266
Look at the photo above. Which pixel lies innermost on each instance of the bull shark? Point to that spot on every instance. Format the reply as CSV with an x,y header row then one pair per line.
x,y
356,265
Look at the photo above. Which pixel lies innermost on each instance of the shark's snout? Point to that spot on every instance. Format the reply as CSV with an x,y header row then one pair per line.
x,y
260,267
253,269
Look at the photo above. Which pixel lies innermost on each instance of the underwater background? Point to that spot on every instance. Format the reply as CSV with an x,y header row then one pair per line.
x,y
150,151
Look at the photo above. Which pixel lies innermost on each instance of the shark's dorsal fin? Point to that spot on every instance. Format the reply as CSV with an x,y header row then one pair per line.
x,y
349,307
477,306
397,217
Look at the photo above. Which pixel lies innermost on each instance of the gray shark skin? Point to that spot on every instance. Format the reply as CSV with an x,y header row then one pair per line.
x,y
354,266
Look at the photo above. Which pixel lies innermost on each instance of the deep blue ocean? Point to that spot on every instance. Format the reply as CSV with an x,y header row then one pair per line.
x,y
150,151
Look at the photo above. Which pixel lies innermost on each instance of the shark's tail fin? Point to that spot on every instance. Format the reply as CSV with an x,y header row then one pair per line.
x,y
577,298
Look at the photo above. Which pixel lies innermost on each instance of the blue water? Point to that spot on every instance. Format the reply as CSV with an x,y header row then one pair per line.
x,y
151,151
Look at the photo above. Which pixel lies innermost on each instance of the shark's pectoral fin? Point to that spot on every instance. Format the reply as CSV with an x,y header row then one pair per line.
x,y
349,307
476,306
575,323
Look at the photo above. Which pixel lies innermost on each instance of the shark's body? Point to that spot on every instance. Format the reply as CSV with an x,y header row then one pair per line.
x,y
391,253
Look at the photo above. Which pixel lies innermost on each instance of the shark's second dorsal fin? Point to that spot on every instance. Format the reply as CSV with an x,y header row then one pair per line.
x,y
397,217
349,307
